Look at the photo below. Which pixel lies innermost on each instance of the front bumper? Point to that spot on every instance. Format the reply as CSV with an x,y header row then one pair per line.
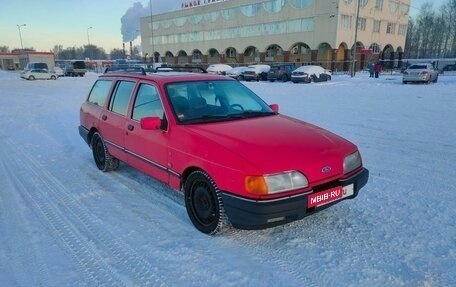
x,y
246,213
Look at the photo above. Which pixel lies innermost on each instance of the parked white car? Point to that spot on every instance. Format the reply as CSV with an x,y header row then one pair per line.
x,y
424,72
257,72
309,74
39,74
219,69
236,73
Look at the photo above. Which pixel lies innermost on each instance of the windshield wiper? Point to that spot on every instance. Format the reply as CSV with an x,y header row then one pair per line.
x,y
253,114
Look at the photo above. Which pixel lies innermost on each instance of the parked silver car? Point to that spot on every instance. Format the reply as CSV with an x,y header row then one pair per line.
x,y
424,72
39,74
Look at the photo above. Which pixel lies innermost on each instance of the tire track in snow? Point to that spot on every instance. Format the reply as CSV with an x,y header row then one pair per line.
x,y
24,260
81,233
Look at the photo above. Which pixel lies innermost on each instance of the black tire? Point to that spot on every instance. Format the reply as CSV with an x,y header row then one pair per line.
x,y
404,82
436,78
204,203
284,78
103,159
31,78
53,77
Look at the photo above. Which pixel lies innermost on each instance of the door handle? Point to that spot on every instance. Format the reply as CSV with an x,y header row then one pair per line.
x,y
130,127
104,117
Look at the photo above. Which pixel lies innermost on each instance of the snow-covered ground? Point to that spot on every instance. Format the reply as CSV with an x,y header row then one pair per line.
x,y
64,223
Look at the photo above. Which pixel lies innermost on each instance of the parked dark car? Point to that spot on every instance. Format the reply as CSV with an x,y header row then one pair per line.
x,y
281,72
308,74
449,70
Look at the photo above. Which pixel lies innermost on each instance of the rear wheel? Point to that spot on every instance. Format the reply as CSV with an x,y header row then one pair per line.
x,y
284,78
53,77
31,78
204,203
103,159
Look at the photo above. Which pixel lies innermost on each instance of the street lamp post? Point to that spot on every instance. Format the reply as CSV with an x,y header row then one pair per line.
x,y
353,72
88,38
20,35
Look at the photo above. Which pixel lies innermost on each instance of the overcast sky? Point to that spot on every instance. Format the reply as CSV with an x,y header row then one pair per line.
x,y
51,22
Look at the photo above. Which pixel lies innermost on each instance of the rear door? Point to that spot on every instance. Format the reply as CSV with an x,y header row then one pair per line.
x,y
112,120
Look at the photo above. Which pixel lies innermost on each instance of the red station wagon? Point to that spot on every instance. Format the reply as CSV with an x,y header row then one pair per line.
x,y
237,160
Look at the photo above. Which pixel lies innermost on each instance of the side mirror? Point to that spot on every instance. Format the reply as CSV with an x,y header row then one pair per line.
x,y
275,108
150,123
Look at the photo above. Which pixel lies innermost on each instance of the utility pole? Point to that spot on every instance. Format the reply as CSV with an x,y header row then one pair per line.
x,y
20,35
353,72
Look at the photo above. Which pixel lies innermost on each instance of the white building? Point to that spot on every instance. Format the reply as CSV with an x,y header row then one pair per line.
x,y
302,31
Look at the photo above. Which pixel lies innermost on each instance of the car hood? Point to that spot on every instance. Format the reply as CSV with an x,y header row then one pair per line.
x,y
279,143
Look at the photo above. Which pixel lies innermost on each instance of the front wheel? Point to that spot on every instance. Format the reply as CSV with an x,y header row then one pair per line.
x,y
204,203
103,159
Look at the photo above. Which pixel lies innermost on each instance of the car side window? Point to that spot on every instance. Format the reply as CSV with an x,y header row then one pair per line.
x,y
121,97
99,92
147,103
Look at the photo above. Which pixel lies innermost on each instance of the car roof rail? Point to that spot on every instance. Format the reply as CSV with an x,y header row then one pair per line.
x,y
125,70
188,68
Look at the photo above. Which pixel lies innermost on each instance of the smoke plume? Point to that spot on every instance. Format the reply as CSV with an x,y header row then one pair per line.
x,y
131,19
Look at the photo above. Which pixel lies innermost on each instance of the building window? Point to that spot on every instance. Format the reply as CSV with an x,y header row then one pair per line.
x,y
346,22
402,30
363,3
378,5
404,9
211,16
274,6
393,5
362,24
300,4
391,28
250,10
377,26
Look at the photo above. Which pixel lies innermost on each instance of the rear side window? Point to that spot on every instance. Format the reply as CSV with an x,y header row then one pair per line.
x,y
121,97
99,92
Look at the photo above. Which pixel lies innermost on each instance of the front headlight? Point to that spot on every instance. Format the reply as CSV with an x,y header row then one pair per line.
x,y
275,183
352,162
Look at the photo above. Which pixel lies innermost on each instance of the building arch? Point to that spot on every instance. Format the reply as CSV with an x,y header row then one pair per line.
x,y
399,56
251,55
324,55
300,52
197,57
274,53
213,56
182,57
341,58
231,55
387,57
169,57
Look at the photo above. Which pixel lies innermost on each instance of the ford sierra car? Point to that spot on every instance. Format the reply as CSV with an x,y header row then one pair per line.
x,y
237,160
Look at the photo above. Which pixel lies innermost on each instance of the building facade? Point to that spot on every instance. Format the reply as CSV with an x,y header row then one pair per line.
x,y
17,60
268,31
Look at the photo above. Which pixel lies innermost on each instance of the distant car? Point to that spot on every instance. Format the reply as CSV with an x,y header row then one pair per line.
x,y
449,70
308,74
59,71
424,73
39,74
257,73
219,69
237,161
281,72
236,73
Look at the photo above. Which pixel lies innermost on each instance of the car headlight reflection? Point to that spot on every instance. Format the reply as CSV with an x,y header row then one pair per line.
x,y
352,162
275,183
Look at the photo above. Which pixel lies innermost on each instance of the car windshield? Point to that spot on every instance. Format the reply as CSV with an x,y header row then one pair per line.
x,y
210,101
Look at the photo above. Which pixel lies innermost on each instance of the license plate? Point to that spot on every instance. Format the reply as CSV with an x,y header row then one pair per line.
x,y
329,195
